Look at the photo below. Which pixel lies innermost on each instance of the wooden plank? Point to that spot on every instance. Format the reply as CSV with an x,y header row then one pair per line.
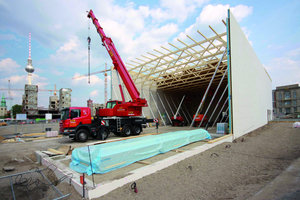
x,y
31,139
40,138
178,150
33,134
9,140
143,162
49,153
56,151
220,138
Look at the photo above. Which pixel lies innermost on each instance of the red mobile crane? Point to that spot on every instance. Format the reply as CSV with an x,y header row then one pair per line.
x,y
120,117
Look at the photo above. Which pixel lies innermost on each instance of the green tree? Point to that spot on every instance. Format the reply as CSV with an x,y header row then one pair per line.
x,y
16,109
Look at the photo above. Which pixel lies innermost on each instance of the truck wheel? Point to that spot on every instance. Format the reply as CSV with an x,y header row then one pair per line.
x,y
126,131
136,130
103,133
81,135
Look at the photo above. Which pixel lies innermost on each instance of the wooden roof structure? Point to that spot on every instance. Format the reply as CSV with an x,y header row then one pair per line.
x,y
188,66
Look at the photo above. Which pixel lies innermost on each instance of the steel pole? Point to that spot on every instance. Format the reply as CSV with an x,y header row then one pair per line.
x,y
216,106
223,116
182,110
207,89
175,116
220,112
212,98
164,107
157,108
190,117
169,104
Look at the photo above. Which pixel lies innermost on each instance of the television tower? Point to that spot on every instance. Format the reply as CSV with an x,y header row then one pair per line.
x,y
29,68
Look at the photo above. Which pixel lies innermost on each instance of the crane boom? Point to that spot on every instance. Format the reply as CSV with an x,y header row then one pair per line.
x,y
116,60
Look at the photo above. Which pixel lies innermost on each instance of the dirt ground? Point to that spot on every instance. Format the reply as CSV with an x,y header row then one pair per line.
x,y
228,171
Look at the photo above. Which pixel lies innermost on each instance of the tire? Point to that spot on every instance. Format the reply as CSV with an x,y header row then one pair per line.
x,y
126,130
136,129
103,133
81,135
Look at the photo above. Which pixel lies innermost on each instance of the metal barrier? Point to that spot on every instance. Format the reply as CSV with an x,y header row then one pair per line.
x,y
31,184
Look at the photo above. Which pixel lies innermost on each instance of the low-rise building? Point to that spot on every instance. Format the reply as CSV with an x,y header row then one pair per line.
x,y
286,100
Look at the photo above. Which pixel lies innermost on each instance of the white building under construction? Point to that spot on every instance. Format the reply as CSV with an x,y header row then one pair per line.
x,y
213,76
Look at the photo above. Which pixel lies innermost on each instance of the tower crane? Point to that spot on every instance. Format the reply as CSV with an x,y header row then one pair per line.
x,y
17,89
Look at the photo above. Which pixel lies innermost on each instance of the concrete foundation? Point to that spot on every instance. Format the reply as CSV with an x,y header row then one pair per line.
x,y
105,183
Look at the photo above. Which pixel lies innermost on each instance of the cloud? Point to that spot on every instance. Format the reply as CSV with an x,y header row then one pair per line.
x,y
94,93
83,81
69,46
294,53
285,70
70,54
128,25
176,9
62,30
241,11
213,14
8,65
17,87
18,81
53,24
150,40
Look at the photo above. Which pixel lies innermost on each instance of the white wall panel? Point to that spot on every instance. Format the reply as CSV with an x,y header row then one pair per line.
x,y
251,85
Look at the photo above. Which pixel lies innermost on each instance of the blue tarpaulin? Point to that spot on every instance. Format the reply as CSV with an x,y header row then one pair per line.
x,y
110,156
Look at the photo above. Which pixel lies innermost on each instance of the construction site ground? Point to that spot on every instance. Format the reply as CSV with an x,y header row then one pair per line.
x,y
239,170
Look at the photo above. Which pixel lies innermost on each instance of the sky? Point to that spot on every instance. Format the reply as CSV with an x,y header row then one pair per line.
x,y
59,31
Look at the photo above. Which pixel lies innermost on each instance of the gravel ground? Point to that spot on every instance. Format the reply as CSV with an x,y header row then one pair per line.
x,y
228,171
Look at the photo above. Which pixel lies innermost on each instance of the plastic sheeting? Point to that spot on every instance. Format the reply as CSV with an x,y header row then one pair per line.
x,y
110,156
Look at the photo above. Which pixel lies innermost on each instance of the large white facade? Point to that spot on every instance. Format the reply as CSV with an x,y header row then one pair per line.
x,y
251,86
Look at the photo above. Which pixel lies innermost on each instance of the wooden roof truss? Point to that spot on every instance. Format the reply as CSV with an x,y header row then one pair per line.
x,y
190,65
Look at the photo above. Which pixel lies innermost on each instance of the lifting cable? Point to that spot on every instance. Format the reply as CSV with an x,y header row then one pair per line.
x,y
89,50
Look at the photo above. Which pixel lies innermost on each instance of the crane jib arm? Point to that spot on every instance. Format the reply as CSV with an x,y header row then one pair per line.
x,y
117,61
